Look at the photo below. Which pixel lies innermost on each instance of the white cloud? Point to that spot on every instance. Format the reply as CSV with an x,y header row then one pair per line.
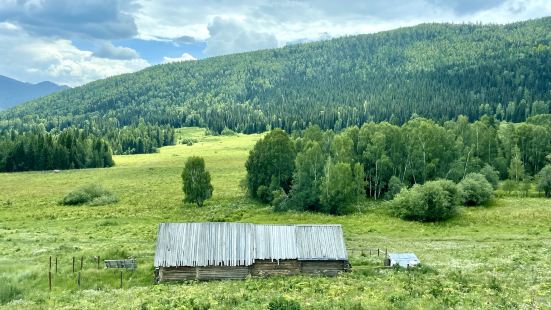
x,y
233,36
108,50
184,57
33,59
292,21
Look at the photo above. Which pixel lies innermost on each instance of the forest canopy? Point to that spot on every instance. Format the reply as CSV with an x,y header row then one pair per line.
x,y
332,170
436,71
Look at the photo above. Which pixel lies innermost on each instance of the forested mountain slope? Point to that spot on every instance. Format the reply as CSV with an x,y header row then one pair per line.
x,y
437,71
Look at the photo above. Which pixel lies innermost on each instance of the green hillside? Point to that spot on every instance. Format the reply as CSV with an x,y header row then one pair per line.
x,y
434,70
485,258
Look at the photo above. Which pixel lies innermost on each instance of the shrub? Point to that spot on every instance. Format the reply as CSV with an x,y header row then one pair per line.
x,y
280,200
281,303
394,187
188,141
92,194
432,201
8,291
544,181
509,186
227,132
103,200
491,174
475,189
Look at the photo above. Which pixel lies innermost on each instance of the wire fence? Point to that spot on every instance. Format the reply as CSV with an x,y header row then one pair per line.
x,y
74,268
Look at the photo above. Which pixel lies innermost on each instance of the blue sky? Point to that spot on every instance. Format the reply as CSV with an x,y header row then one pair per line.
x,y
73,42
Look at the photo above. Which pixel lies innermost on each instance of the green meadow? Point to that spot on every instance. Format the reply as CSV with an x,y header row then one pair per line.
x,y
490,257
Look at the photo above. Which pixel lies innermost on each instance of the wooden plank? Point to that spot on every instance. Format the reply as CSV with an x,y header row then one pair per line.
x,y
326,268
263,268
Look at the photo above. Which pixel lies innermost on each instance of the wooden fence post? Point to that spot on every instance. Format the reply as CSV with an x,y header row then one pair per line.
x,y
73,264
50,280
98,261
50,264
377,252
78,279
56,264
121,279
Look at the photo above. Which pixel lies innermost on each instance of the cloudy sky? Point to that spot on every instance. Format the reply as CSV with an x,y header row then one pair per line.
x,y
76,41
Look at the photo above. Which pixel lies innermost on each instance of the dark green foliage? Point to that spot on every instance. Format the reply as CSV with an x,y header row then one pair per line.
x,y
9,291
196,181
337,188
307,178
270,165
509,186
432,201
281,303
137,139
491,175
394,187
438,71
475,189
188,141
393,157
92,194
544,181
40,150
227,132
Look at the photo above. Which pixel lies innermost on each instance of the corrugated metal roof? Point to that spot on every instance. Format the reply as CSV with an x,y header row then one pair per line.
x,y
403,259
239,244
320,242
204,244
275,242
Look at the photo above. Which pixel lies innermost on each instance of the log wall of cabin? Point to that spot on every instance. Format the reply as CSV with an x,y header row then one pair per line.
x,y
320,267
262,268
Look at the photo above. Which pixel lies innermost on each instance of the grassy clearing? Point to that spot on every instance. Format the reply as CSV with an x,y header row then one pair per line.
x,y
489,257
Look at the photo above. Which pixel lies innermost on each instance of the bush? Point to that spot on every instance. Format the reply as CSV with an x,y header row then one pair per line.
x,y
509,186
103,200
491,175
227,132
544,181
93,194
475,189
394,187
8,291
188,141
432,201
280,200
280,303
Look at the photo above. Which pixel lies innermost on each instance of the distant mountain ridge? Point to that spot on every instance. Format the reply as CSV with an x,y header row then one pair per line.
x,y
14,92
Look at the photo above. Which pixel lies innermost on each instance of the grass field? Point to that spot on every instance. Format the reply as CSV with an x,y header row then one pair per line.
x,y
486,258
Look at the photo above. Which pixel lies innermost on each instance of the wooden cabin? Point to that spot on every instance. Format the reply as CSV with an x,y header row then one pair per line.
x,y
207,251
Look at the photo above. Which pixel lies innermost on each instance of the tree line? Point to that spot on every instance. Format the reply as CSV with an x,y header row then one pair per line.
x,y
40,150
327,171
